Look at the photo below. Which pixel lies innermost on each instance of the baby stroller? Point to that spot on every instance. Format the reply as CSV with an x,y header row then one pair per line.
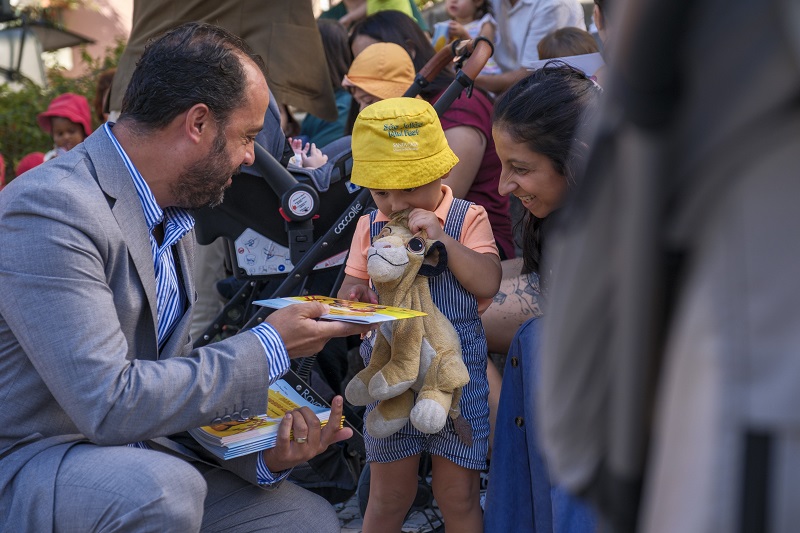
x,y
288,233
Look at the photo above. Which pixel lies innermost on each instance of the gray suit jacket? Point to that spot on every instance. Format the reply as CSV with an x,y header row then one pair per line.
x,y
78,352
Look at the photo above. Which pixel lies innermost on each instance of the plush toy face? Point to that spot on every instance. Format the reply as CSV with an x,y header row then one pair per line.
x,y
394,252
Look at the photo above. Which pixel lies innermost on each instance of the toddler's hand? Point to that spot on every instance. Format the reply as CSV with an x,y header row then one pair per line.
x,y
362,293
457,31
313,156
420,219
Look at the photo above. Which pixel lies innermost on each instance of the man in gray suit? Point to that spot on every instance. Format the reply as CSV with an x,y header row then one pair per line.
x,y
98,378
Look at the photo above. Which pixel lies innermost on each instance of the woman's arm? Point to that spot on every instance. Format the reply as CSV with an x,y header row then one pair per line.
x,y
469,145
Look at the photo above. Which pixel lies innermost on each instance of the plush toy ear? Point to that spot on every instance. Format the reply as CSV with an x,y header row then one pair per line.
x,y
435,260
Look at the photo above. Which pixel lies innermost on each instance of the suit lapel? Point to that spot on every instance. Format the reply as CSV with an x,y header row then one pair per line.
x,y
116,182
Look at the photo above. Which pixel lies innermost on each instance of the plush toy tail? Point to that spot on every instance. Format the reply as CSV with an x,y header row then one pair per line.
x,y
462,427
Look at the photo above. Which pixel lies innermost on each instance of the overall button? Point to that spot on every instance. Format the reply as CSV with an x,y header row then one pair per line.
x,y
519,421
514,362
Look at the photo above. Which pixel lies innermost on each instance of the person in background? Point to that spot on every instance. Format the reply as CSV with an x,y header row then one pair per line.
x,y
521,24
538,126
469,19
381,71
349,12
565,42
412,179
283,32
337,52
68,120
102,95
467,122
99,245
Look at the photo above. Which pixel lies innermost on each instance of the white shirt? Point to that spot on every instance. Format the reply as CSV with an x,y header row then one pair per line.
x,y
523,25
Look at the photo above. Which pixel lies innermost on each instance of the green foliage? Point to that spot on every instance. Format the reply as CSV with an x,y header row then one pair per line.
x,y
19,132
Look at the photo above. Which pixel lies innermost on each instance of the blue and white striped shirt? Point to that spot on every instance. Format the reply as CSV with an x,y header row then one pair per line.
x,y
170,293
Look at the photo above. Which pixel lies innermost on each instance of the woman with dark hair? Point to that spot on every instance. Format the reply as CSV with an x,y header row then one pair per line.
x,y
467,122
538,127
337,52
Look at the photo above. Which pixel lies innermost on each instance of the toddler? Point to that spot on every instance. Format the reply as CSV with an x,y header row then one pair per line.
x,y
469,19
404,170
68,120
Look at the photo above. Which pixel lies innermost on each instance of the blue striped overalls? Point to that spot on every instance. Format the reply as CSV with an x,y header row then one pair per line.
x,y
461,308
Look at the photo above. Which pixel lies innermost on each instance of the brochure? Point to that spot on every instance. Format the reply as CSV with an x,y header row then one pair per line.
x,y
347,310
239,437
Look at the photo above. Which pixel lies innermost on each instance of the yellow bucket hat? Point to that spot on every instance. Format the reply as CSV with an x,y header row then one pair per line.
x,y
399,143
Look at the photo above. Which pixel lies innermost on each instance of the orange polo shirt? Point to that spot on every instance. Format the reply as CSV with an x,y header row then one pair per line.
x,y
476,234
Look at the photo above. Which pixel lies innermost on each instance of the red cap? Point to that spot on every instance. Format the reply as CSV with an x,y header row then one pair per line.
x,y
2,171
33,159
70,106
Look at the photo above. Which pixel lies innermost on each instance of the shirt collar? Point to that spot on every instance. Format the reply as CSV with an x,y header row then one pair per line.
x,y
153,214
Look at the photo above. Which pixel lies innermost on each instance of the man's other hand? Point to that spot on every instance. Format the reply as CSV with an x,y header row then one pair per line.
x,y
309,439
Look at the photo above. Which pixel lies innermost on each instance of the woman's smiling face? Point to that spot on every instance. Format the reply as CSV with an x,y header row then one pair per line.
x,y
528,175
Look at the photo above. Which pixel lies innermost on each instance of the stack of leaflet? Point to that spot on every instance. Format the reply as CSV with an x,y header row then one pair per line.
x,y
241,437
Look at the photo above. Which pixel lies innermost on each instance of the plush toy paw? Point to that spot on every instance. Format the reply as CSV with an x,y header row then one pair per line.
x,y
389,416
428,416
357,392
380,427
381,390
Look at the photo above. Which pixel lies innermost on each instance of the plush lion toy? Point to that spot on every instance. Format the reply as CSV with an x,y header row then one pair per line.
x,y
421,354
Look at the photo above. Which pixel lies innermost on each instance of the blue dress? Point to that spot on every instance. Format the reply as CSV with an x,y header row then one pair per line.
x,y
519,496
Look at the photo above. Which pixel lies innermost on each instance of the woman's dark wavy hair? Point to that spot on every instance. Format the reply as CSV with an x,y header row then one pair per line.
x,y
192,63
547,111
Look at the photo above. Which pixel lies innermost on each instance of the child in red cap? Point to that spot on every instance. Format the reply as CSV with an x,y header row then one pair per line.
x,y
68,120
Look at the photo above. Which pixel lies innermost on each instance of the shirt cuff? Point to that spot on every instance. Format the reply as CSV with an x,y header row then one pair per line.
x,y
275,350
265,477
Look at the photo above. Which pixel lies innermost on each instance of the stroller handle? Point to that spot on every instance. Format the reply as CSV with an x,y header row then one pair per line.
x,y
477,51
299,201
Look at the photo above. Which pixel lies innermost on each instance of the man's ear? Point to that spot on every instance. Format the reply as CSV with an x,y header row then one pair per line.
x,y
435,260
199,123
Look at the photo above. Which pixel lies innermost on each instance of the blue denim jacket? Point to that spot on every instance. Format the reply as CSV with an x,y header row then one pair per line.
x,y
519,496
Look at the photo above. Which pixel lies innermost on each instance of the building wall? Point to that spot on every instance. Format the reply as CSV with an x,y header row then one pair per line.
x,y
105,21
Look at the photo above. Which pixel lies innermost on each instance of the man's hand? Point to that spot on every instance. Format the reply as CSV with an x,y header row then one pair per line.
x,y
304,424
303,334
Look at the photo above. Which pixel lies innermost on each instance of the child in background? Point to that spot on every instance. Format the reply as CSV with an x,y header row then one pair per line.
x,y
68,120
381,71
566,42
403,172
470,19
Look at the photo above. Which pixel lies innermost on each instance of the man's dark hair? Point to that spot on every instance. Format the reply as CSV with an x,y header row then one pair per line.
x,y
191,64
